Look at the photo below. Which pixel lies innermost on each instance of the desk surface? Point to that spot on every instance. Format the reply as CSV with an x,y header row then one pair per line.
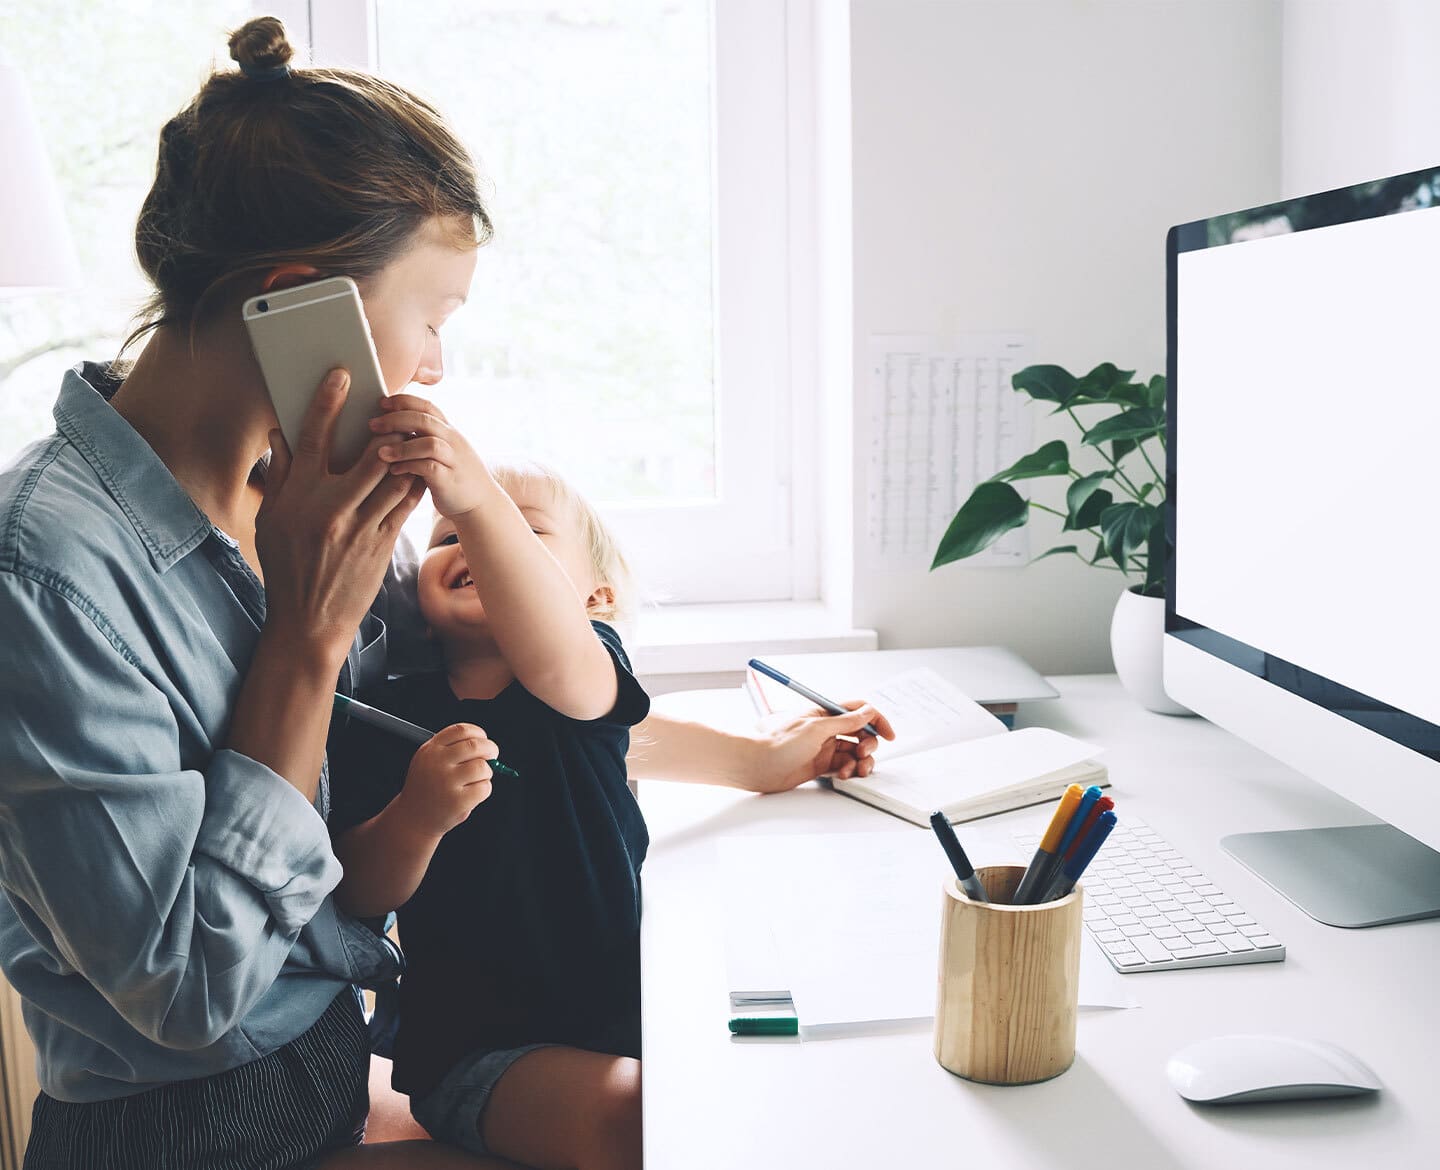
x,y
882,1100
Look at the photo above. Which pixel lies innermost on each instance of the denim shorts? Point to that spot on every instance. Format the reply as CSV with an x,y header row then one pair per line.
x,y
451,1112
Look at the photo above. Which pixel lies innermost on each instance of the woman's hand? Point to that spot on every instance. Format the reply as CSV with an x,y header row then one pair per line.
x,y
325,540
448,777
791,749
434,451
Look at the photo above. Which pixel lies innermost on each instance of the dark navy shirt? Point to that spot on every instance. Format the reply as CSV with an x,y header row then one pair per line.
x,y
526,925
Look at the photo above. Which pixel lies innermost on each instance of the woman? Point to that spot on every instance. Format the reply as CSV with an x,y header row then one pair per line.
x,y
176,617
176,614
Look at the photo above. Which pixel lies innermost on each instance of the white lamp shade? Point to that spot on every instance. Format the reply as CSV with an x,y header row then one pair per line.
x,y
36,250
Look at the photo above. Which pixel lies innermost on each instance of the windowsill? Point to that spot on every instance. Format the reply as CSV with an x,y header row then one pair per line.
x,y
722,637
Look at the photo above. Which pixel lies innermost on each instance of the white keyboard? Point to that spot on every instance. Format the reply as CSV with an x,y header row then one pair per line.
x,y
1151,910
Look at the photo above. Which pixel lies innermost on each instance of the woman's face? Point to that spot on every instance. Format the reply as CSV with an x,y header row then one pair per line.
x,y
409,300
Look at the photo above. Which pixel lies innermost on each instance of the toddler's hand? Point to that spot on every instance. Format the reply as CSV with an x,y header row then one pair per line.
x,y
448,777
437,453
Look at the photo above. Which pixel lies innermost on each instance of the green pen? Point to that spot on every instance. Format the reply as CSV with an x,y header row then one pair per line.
x,y
354,709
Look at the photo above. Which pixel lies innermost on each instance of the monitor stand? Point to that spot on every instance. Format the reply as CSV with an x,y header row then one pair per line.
x,y
1354,875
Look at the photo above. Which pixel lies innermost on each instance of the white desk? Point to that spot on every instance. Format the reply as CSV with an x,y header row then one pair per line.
x,y
880,1101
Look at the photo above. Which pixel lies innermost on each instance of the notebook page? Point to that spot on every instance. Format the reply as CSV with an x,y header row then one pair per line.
x,y
959,772
927,710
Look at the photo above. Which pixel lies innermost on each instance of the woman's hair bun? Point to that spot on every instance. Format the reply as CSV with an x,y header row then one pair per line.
x,y
261,44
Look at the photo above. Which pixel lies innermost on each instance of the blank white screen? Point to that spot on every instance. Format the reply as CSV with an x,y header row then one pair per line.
x,y
1307,429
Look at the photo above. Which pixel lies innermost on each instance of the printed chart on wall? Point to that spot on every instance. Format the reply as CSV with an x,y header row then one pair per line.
x,y
943,417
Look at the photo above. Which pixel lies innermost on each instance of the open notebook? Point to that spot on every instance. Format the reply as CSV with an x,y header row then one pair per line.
x,y
949,753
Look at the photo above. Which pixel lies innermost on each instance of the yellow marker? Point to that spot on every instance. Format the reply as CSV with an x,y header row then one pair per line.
x,y
1042,867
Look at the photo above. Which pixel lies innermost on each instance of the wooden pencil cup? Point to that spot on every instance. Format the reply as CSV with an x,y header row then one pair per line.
x,y
1009,982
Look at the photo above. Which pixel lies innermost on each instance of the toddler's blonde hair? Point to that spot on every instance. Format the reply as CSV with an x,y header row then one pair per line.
x,y
606,560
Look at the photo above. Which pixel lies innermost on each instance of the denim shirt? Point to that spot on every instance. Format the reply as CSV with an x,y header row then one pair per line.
x,y
165,902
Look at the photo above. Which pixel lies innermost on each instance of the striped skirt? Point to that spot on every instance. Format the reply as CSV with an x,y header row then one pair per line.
x,y
281,1112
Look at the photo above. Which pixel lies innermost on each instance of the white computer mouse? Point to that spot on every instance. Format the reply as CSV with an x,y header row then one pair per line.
x,y
1235,1069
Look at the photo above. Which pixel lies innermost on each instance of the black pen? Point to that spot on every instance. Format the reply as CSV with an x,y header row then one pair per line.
x,y
956,853
354,709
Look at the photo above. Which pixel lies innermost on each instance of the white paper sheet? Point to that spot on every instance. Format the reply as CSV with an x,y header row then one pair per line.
x,y
855,921
943,417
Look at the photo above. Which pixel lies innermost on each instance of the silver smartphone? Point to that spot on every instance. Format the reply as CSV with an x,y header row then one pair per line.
x,y
299,335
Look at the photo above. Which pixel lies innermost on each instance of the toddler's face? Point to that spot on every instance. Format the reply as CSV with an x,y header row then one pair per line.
x,y
446,581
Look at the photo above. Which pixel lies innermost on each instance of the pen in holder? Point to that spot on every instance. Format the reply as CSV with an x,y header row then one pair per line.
x,y
1009,982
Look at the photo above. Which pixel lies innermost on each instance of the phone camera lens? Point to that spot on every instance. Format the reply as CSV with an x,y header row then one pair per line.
x,y
263,306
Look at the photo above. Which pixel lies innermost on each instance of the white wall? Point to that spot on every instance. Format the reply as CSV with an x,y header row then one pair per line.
x,y
1361,91
1016,166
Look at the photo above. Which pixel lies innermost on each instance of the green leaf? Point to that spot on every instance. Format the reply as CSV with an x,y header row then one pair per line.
x,y
1131,395
1059,548
1124,528
1052,459
1155,389
1100,381
1047,383
1085,499
1121,448
1099,554
990,512
1140,423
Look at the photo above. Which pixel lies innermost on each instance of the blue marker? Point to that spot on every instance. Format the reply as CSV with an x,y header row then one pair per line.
x,y
1087,802
801,689
1072,869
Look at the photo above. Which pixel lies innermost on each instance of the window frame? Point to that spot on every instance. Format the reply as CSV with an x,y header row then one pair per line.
x,y
757,541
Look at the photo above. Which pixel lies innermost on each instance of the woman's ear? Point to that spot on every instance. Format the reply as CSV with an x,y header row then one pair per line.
x,y
287,275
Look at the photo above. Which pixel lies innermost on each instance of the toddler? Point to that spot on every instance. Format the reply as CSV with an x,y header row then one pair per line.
x,y
519,1008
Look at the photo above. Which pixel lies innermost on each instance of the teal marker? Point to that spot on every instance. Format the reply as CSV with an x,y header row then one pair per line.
x,y
354,709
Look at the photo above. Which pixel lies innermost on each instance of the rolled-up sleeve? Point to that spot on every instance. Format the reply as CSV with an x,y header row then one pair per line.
x,y
177,892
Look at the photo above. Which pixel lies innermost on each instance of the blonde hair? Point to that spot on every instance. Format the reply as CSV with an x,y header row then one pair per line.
x,y
606,559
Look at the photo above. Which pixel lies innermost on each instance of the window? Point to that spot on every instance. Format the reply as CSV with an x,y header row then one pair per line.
x,y
629,322
132,67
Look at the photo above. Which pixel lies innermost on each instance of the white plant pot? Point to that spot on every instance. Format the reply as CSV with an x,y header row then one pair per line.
x,y
1136,637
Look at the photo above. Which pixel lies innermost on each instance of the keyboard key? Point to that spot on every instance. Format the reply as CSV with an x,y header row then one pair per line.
x,y
1199,952
1237,942
1153,949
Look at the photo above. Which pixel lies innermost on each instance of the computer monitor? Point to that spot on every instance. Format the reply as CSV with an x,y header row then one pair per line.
x,y
1304,505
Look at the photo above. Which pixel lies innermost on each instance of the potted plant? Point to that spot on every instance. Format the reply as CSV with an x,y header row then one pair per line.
x,y
1121,505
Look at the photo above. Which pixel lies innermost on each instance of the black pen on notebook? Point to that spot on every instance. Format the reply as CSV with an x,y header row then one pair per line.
x,y
801,689
956,853
354,709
